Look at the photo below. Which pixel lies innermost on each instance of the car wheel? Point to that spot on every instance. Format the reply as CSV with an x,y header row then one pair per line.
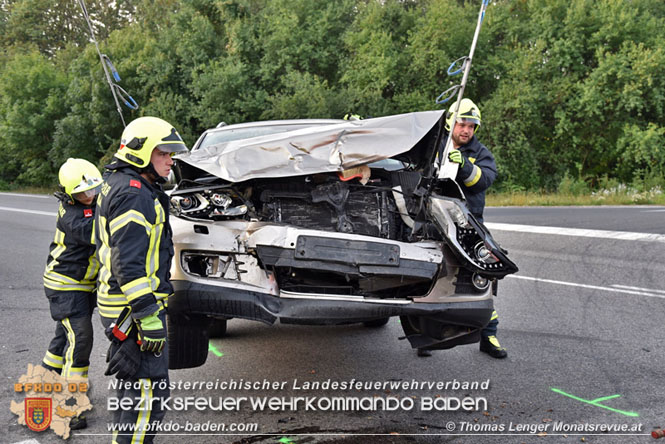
x,y
376,323
187,341
217,328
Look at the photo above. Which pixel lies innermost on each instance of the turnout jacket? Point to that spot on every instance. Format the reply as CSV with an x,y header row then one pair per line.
x,y
134,244
476,176
71,265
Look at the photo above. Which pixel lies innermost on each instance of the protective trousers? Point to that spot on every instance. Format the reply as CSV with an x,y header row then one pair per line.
x,y
146,390
491,328
69,351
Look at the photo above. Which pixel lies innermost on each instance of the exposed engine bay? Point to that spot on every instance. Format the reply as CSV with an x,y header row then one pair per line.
x,y
330,223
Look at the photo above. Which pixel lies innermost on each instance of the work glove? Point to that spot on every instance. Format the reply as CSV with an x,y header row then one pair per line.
x,y
125,361
152,333
456,156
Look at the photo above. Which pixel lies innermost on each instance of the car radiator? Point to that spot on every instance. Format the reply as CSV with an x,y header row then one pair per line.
x,y
335,207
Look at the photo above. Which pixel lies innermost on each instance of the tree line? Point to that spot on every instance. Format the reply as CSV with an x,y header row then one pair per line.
x,y
567,88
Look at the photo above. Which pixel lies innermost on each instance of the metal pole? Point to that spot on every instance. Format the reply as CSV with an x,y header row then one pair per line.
x,y
467,69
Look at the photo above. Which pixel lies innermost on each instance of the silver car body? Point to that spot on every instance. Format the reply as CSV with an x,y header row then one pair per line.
x,y
248,246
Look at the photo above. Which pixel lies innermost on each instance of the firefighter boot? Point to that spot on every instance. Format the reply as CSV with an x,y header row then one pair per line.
x,y
491,346
78,422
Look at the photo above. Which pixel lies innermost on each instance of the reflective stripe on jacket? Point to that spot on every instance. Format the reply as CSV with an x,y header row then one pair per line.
x,y
71,263
134,245
476,176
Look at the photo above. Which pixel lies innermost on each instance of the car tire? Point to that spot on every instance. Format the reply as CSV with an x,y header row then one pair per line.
x,y
187,341
376,323
217,328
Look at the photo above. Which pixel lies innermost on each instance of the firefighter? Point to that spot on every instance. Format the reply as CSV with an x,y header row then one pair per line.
x,y
476,172
71,274
135,252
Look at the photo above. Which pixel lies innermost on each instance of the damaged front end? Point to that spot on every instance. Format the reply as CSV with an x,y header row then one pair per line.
x,y
347,226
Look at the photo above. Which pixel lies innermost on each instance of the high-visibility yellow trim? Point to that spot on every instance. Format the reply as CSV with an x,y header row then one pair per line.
x,y
115,299
136,288
104,287
59,240
58,278
474,177
92,235
71,345
495,315
110,305
58,281
68,287
162,299
129,216
152,258
495,342
110,312
52,360
78,372
144,415
93,269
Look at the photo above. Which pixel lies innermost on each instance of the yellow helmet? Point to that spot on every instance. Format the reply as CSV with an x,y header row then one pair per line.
x,y
468,112
79,176
143,135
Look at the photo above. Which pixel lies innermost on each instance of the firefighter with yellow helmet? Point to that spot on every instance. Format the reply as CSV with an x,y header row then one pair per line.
x,y
476,172
71,273
135,251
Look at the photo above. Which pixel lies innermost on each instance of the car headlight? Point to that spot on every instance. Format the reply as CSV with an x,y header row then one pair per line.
x,y
448,214
209,204
469,239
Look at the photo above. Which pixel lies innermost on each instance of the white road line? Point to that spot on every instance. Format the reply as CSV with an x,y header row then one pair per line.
x,y
21,210
38,196
652,211
639,288
603,234
29,441
592,287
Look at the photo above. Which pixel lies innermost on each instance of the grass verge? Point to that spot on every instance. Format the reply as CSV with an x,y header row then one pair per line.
x,y
604,197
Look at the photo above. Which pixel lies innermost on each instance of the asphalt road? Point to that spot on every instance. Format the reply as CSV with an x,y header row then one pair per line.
x,y
582,321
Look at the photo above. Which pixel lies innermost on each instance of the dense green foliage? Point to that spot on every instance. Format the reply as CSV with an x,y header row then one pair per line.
x,y
571,91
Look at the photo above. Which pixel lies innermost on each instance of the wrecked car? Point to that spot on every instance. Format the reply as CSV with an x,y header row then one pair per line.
x,y
325,222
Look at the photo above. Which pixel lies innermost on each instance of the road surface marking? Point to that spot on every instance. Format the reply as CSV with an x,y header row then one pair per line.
x,y
652,211
618,289
21,210
653,290
596,402
602,234
216,352
38,196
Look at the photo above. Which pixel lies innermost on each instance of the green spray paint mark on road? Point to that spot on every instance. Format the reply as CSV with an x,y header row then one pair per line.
x,y
213,349
596,402
285,440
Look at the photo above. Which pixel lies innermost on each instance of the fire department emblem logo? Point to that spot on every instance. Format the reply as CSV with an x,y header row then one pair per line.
x,y
38,413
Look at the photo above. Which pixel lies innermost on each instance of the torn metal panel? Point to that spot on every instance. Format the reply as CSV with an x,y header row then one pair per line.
x,y
326,148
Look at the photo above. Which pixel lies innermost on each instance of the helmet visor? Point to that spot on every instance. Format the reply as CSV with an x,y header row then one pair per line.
x,y
468,119
87,182
83,195
175,148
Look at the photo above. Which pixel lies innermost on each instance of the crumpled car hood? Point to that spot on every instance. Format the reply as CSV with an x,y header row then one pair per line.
x,y
318,149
